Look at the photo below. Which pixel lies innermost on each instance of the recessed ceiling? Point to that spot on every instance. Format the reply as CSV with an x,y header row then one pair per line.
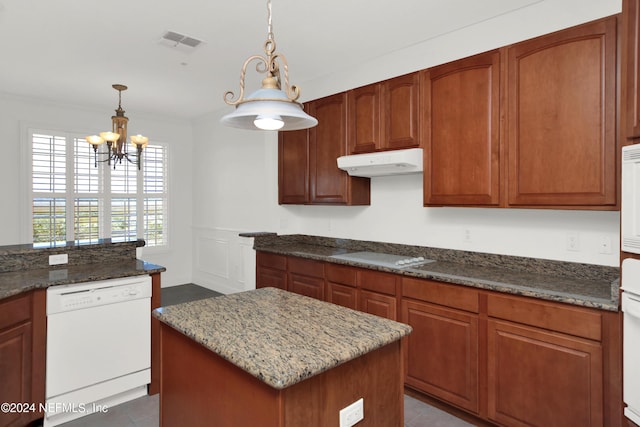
x,y
72,51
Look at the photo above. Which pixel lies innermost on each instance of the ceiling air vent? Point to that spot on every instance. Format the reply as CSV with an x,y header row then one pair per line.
x,y
179,41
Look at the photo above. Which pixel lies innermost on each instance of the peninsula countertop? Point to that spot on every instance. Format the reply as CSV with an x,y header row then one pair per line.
x,y
572,283
280,337
26,267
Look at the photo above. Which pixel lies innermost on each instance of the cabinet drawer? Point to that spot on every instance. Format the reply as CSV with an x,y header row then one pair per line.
x,y
268,277
580,322
306,267
15,310
278,262
441,293
342,274
376,281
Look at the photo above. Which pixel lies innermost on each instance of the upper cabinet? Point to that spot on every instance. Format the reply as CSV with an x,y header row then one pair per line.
x,y
385,115
461,115
561,118
307,160
401,120
364,119
631,68
529,125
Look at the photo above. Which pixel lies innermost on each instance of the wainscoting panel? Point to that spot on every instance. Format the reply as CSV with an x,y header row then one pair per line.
x,y
223,261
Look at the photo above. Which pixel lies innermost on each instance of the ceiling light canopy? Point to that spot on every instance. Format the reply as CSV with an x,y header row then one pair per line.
x,y
270,107
117,139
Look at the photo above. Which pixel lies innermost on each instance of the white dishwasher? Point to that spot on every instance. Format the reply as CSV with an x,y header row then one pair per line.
x,y
98,346
631,337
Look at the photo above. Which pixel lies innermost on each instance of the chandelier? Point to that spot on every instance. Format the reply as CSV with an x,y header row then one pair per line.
x,y
116,139
270,107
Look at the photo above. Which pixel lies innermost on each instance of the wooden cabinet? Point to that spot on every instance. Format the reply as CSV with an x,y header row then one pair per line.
x,y
293,167
441,354
461,114
545,363
540,378
22,356
631,68
561,118
364,119
512,360
306,277
307,160
378,293
271,270
341,285
529,125
401,118
385,115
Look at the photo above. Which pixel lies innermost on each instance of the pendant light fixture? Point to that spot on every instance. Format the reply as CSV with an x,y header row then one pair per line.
x,y
117,139
271,107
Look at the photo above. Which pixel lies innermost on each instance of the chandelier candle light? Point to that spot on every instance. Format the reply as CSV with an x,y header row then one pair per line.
x,y
117,139
270,107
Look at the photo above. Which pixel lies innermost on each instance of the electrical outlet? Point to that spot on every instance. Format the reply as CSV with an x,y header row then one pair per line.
x,y
58,259
573,241
352,414
605,244
467,235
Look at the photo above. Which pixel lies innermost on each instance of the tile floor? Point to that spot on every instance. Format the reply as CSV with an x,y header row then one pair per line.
x,y
144,411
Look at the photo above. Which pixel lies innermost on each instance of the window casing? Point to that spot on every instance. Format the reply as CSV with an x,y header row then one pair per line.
x,y
73,200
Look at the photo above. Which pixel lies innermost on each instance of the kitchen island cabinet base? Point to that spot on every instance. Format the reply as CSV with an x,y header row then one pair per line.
x,y
200,388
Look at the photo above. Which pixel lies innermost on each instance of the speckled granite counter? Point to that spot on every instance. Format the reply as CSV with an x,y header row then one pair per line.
x,y
572,283
279,337
21,265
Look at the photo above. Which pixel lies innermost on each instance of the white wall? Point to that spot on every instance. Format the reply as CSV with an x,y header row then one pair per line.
x,y
17,114
236,171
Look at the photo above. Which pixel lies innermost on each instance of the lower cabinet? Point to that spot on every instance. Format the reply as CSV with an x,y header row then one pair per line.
x,y
441,354
378,293
305,277
511,360
22,360
542,378
271,270
545,363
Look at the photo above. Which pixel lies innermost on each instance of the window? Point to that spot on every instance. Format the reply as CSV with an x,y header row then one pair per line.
x,y
73,200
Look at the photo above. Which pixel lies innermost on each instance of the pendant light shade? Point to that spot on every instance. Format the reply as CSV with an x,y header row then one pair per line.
x,y
270,107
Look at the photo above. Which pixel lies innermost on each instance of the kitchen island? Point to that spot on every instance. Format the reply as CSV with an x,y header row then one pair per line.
x,y
273,358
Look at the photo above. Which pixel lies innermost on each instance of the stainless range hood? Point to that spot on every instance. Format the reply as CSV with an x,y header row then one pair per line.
x,y
382,163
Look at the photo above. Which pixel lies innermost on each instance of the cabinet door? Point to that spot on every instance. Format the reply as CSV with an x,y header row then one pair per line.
x,y
561,118
345,296
327,142
401,98
631,61
305,285
540,378
462,132
15,372
293,167
378,304
271,270
441,353
364,119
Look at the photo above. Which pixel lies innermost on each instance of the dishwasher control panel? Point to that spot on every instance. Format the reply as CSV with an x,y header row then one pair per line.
x,y
90,294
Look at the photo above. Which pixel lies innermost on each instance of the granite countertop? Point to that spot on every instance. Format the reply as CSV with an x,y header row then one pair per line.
x,y
16,282
26,267
572,283
280,337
